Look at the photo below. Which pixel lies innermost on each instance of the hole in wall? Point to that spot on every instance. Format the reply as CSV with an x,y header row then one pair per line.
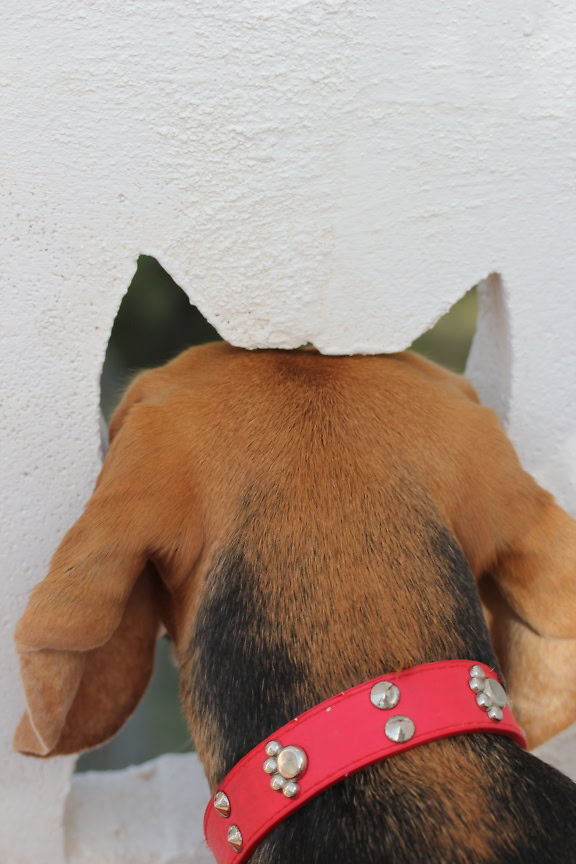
x,y
449,341
155,322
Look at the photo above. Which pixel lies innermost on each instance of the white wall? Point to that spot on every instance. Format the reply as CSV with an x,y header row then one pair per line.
x,y
330,171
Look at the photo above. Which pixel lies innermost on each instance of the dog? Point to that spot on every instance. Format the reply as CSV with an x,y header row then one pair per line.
x,y
300,524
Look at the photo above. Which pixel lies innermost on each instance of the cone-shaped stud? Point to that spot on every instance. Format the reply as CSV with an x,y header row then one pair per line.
x,y
384,695
399,729
222,804
235,838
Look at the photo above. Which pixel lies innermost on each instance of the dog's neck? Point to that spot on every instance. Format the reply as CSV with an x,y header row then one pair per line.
x,y
264,650
259,657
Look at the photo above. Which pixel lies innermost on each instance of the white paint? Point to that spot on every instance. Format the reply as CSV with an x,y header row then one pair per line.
x,y
326,171
99,818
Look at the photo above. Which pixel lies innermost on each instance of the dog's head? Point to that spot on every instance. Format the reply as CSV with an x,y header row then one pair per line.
x,y
331,454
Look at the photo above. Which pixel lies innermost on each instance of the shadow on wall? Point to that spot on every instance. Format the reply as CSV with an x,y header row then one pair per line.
x,y
156,322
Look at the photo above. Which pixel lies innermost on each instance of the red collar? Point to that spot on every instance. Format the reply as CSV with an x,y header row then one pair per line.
x,y
370,722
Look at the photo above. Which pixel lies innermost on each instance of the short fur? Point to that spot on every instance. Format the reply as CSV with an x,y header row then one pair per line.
x,y
304,523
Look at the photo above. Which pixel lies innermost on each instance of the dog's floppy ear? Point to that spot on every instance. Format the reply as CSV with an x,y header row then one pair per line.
x,y
522,547
530,593
79,697
86,639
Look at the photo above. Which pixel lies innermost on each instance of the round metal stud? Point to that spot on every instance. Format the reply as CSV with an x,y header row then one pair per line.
x,y
292,762
495,713
235,838
277,782
270,766
291,789
399,729
495,692
222,804
476,684
384,695
273,748
484,701
477,672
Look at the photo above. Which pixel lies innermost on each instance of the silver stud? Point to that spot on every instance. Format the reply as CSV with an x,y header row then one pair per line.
x,y
277,782
490,695
495,692
270,766
235,838
477,672
384,695
292,762
291,789
477,684
222,804
399,728
484,701
273,748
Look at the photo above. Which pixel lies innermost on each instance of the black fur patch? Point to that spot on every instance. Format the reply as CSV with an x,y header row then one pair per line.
x,y
466,632
244,675
531,797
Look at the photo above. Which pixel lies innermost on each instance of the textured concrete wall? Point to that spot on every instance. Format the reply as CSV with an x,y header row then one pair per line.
x,y
329,171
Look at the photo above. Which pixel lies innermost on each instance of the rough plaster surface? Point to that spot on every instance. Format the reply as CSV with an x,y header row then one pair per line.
x,y
99,816
308,170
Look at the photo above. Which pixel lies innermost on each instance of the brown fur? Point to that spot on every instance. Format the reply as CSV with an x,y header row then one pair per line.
x,y
330,482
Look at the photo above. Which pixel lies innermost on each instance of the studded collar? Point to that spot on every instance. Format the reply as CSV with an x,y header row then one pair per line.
x,y
370,722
